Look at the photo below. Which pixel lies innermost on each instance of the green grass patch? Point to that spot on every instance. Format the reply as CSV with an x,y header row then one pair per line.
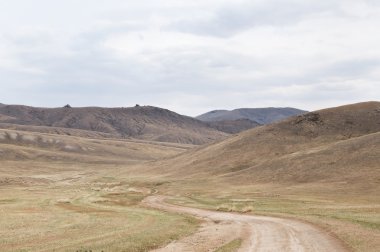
x,y
7,201
231,246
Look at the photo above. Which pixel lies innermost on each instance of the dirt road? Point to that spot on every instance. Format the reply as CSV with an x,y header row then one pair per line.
x,y
258,233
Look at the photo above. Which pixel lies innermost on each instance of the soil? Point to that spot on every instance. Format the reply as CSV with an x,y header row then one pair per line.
x,y
259,233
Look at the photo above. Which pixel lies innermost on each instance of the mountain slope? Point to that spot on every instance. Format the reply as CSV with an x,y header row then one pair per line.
x,y
233,126
259,115
337,144
145,122
31,146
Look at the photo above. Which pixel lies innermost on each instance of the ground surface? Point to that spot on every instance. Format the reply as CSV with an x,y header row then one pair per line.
x,y
257,233
62,193
78,191
66,207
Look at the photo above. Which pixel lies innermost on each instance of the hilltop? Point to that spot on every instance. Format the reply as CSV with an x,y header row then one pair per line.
x,y
258,115
140,122
333,145
233,126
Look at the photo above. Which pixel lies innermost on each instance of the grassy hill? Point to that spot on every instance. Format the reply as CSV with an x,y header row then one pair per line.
x,y
233,126
26,146
322,167
275,153
140,122
259,115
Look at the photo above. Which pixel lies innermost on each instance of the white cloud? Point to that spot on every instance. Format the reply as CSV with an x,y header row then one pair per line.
x,y
190,56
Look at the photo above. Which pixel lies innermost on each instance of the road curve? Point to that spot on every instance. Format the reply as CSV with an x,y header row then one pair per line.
x,y
258,233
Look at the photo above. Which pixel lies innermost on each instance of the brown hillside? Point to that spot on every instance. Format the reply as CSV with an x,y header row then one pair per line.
x,y
233,126
141,122
57,130
31,146
337,144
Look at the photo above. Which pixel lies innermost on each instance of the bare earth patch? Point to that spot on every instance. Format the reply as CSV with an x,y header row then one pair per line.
x,y
258,233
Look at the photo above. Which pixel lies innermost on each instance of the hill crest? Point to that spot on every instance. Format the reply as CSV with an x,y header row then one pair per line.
x,y
259,115
141,122
337,144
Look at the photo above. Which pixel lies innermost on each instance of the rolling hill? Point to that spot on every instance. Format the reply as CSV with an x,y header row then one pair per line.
x,y
31,146
233,126
140,122
321,167
259,115
336,145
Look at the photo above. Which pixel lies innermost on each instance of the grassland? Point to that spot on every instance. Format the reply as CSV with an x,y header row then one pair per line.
x,y
66,193
55,199
82,210
321,167
231,246
51,206
354,220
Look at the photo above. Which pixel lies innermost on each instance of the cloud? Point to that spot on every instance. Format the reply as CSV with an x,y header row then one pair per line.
x,y
230,19
190,56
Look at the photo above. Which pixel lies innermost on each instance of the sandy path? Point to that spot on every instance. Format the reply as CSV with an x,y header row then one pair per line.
x,y
259,233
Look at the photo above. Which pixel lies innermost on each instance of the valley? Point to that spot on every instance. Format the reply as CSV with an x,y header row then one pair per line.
x,y
306,183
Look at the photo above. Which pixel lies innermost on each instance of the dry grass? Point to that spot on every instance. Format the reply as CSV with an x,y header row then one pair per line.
x,y
20,145
79,209
140,122
77,203
321,168
231,246
313,147
355,219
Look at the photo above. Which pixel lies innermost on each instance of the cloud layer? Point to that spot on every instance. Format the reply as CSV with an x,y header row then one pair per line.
x,y
190,56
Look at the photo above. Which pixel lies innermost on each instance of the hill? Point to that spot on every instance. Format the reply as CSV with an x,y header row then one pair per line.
x,y
321,167
31,146
140,122
333,145
259,115
233,126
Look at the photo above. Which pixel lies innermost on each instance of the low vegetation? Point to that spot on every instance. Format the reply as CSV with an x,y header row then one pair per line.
x,y
356,222
231,246
81,193
80,213
55,199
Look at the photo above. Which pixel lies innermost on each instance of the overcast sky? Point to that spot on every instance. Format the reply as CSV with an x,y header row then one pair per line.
x,y
189,56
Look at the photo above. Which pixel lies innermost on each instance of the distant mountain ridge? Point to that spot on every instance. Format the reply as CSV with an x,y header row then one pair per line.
x,y
140,122
259,115
233,126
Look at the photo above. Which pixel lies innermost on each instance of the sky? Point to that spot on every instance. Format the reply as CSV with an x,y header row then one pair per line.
x,y
189,56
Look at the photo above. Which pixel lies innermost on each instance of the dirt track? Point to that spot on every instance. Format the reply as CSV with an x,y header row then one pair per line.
x,y
258,233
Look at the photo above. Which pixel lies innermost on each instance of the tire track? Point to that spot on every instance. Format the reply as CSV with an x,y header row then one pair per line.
x,y
259,233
